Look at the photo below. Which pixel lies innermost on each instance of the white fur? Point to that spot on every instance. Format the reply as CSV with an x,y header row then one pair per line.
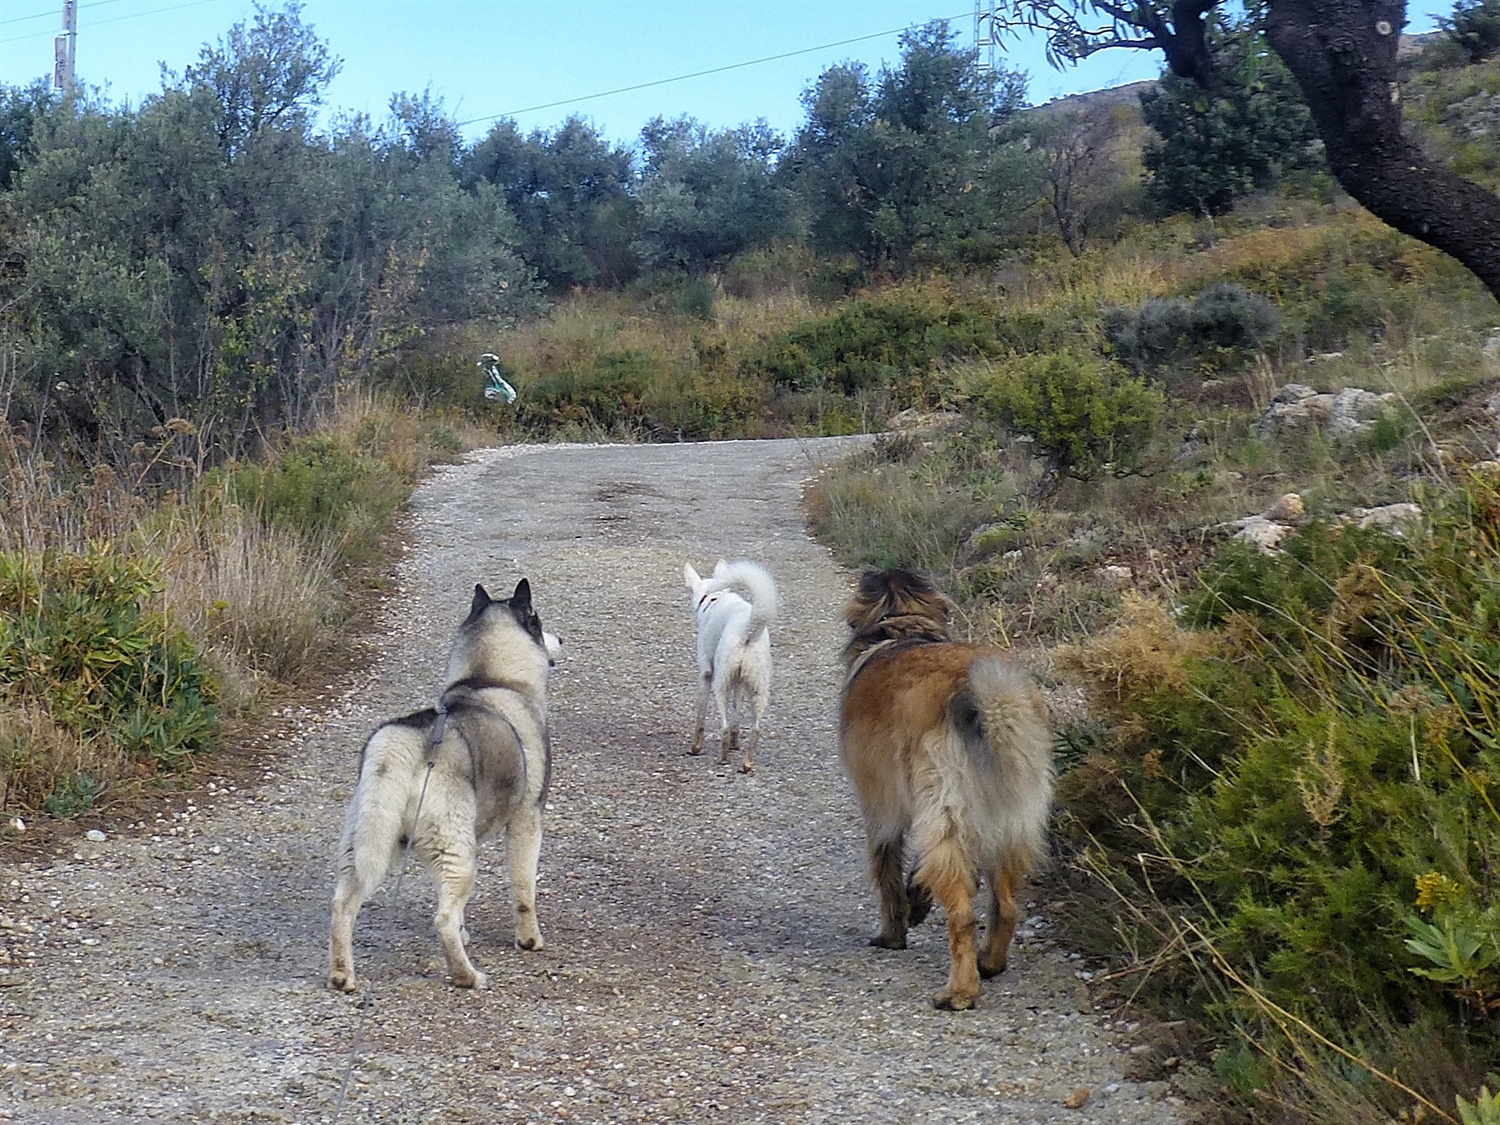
x,y
485,774
734,607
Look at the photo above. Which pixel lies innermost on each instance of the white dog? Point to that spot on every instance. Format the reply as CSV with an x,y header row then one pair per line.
x,y
734,649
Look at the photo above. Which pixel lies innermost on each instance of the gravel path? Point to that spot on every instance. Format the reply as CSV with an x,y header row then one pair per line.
x,y
705,956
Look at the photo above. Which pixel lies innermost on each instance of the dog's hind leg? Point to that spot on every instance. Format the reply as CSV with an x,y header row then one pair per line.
x,y
454,865
704,683
523,847
758,699
727,696
349,895
946,871
1002,924
890,888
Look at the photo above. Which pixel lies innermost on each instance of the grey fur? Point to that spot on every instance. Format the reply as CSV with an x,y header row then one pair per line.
x,y
489,745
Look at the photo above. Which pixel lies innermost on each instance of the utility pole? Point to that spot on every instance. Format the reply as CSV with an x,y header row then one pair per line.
x,y
65,48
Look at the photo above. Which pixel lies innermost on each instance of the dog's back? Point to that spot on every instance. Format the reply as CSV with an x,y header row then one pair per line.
x,y
949,750
735,607
477,763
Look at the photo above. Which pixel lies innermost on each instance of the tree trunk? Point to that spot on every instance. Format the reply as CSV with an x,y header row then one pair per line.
x,y
1343,55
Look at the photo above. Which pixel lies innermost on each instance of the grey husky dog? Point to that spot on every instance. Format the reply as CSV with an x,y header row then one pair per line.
x,y
735,607
485,756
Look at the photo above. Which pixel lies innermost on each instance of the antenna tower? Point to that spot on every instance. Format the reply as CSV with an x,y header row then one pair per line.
x,y
986,33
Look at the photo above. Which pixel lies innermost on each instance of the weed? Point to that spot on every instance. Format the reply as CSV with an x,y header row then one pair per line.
x,y
73,796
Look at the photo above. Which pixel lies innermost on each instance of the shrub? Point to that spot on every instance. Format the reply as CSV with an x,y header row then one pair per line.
x,y
1218,330
1307,766
1081,413
610,392
325,488
87,659
873,342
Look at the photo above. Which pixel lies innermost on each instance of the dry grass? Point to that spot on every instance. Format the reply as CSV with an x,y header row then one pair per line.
x,y
584,327
1145,652
261,601
39,756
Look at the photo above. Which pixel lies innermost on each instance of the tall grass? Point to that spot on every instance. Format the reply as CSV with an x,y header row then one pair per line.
x,y
1299,798
247,566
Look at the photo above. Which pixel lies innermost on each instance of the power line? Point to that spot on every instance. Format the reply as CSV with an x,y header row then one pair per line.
x,y
52,15
113,19
696,74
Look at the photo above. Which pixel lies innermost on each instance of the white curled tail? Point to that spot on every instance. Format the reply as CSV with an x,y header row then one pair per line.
x,y
755,584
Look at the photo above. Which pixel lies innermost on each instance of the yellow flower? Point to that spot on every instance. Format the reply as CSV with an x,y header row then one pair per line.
x,y
1436,889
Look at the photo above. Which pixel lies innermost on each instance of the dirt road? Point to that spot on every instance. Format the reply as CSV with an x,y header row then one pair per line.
x,y
705,957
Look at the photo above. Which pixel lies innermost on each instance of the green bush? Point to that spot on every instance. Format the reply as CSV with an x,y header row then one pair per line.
x,y
1082,413
1219,330
322,487
84,643
874,342
1314,758
611,392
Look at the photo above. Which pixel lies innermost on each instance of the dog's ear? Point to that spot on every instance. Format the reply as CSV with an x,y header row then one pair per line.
x,y
521,599
481,599
720,567
690,576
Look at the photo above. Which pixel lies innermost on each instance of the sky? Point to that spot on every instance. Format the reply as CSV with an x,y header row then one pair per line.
x,y
538,61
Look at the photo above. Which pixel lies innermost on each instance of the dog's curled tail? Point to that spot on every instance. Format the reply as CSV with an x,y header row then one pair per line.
x,y
753,582
1018,738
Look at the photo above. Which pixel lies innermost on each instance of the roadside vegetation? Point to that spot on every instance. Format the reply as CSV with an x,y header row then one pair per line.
x,y
233,339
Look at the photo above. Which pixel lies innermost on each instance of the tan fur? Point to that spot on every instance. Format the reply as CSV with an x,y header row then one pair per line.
x,y
949,750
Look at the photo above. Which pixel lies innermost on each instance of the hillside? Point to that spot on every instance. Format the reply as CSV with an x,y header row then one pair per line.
x,y
1156,403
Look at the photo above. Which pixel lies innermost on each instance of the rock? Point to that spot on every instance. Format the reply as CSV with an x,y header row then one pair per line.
x,y
96,836
914,421
1115,577
1292,392
16,824
1492,407
1287,509
1394,518
1492,346
1194,447
1345,413
1353,411
1078,1098
1265,534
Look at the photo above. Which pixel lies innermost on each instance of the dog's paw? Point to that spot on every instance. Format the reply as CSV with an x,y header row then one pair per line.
x,y
884,940
341,980
471,978
950,1001
747,766
531,942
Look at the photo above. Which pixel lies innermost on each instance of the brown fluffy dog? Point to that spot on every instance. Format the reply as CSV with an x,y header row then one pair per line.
x,y
949,750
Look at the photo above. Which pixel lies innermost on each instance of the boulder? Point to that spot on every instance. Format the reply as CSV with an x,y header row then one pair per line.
x,y
1265,534
1395,518
1346,413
